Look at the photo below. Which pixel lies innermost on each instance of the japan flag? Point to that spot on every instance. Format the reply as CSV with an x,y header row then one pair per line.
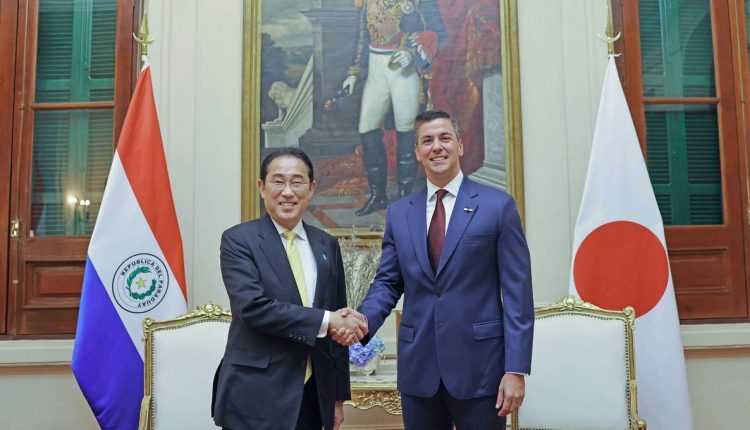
x,y
620,259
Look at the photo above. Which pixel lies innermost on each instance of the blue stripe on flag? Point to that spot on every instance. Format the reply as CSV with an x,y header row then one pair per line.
x,y
106,364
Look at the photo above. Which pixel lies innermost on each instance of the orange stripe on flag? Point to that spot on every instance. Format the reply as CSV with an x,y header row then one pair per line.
x,y
142,153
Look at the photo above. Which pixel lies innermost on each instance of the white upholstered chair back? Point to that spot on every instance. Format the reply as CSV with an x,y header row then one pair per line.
x,y
583,370
181,356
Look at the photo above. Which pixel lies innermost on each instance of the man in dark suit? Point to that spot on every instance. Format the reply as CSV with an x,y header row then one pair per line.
x,y
284,278
457,254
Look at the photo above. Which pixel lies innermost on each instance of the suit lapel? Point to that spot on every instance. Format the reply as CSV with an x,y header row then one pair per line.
x,y
276,254
417,220
323,262
460,218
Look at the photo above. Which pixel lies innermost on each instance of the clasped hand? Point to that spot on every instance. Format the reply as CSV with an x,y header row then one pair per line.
x,y
347,326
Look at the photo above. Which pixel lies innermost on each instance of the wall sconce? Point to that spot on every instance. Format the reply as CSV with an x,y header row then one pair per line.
x,y
80,214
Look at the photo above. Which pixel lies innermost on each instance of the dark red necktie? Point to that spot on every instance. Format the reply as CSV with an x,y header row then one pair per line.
x,y
436,232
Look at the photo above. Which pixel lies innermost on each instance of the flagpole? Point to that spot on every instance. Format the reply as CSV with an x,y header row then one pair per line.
x,y
609,37
143,38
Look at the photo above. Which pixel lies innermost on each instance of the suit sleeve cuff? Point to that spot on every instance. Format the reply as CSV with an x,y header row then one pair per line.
x,y
323,330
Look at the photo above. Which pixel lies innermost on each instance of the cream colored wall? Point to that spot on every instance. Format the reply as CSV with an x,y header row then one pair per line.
x,y
197,72
197,79
43,398
562,66
719,388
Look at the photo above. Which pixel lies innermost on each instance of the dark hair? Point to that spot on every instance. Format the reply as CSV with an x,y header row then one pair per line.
x,y
431,115
286,152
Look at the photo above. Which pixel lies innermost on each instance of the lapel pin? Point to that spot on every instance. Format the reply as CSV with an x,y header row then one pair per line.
x,y
325,258
468,210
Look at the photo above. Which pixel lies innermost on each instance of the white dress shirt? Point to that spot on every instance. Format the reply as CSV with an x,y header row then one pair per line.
x,y
309,266
449,200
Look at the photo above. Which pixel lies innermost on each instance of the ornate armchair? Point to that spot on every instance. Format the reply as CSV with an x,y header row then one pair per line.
x,y
583,370
180,357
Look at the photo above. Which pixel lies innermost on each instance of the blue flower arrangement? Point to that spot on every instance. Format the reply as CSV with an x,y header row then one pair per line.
x,y
361,355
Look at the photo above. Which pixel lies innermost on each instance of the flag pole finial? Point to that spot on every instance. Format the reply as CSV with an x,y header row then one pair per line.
x,y
609,37
143,38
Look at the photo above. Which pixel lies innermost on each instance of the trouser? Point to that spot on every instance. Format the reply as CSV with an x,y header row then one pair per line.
x,y
442,411
309,412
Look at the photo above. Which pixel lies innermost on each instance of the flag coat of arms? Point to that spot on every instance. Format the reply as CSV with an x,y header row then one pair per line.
x,y
620,259
134,268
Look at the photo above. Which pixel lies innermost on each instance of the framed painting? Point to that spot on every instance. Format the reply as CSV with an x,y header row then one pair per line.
x,y
344,79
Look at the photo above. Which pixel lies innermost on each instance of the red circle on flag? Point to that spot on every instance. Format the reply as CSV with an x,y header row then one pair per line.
x,y
621,264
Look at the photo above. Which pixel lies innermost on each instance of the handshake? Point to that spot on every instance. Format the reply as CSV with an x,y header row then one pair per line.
x,y
347,326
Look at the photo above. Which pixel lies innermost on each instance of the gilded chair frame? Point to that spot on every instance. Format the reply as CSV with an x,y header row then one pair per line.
x,y
571,305
207,312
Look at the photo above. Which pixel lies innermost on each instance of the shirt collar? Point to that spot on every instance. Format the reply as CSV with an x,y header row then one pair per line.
x,y
299,229
452,186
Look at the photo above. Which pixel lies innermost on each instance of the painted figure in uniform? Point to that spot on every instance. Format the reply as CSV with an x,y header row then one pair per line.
x,y
396,43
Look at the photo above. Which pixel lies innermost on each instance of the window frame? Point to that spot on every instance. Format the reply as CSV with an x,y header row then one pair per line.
x,y
8,12
39,303
700,306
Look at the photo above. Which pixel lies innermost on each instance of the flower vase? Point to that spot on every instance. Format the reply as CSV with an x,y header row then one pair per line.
x,y
368,369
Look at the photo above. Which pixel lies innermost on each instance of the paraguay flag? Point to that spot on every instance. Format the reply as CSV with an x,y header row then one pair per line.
x,y
134,268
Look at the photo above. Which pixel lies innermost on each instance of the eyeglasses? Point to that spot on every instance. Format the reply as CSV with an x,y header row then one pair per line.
x,y
296,186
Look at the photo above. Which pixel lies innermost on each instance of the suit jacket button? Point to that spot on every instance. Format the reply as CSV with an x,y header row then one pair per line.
x,y
439,293
303,363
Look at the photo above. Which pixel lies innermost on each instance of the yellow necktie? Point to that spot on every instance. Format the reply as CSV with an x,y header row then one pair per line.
x,y
295,261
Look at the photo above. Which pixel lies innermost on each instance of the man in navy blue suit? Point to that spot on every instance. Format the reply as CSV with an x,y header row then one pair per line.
x,y
458,255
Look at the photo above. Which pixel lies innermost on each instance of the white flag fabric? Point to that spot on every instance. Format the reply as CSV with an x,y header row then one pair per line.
x,y
620,259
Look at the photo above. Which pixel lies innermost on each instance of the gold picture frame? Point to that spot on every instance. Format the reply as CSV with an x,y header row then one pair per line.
x,y
253,96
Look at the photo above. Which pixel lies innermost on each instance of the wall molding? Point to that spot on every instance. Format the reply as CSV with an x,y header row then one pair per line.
x,y
36,352
715,336
60,352
372,426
